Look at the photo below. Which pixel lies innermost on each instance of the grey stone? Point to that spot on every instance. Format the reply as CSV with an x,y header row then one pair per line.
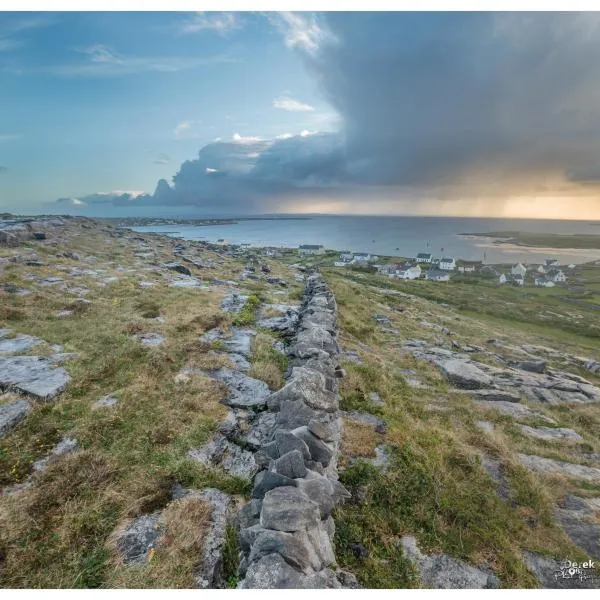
x,y
105,401
546,571
293,414
240,362
179,268
266,453
11,414
240,341
139,537
441,571
319,451
209,575
150,339
249,514
233,302
515,410
534,366
382,457
577,517
286,442
244,391
32,375
295,550
362,418
288,509
67,445
376,399
219,452
290,465
268,480
321,543
549,466
496,395
19,343
551,433
261,431
465,375
309,387
272,572
326,431
320,490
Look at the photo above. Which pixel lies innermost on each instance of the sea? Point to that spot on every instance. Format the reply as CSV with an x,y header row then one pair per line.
x,y
394,236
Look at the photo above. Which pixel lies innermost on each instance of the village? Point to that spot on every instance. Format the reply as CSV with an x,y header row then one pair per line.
x,y
426,266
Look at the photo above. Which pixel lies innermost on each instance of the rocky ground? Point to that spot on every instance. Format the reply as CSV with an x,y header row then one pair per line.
x,y
176,414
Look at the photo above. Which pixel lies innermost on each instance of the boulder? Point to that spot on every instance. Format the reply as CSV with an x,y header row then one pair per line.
x,y
465,374
269,480
288,509
244,391
33,375
319,450
290,465
136,540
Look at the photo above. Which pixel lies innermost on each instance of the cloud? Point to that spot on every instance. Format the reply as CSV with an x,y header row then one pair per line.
x,y
438,98
162,159
291,105
303,31
103,61
9,137
11,28
187,130
220,22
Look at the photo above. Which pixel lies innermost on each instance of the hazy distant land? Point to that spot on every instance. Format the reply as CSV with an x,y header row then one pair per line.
x,y
542,240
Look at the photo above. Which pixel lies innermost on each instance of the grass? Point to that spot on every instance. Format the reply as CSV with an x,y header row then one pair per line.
x,y
435,487
545,240
58,532
247,316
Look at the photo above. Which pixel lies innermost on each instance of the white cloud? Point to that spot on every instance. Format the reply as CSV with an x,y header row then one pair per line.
x,y
8,29
245,139
187,129
162,159
219,22
291,105
300,30
284,136
103,61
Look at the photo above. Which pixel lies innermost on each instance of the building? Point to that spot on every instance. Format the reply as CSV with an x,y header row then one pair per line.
x,y
469,266
435,275
551,262
541,269
502,278
311,249
413,272
447,264
556,275
543,282
362,257
519,270
424,257
346,257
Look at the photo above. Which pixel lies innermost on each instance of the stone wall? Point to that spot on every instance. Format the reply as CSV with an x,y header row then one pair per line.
x,y
286,530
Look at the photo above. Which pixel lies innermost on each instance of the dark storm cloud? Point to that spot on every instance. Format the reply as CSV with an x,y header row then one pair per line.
x,y
428,97
485,101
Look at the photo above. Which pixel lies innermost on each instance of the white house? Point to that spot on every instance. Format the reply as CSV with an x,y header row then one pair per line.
x,y
424,257
346,257
469,266
515,280
541,269
409,273
362,257
447,264
434,275
543,282
556,275
502,278
518,270
311,249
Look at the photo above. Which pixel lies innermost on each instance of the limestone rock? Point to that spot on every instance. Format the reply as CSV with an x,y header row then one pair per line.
x,y
465,375
441,571
32,375
11,414
288,509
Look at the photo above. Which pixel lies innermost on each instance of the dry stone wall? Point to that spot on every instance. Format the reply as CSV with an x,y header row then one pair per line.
x,y
286,530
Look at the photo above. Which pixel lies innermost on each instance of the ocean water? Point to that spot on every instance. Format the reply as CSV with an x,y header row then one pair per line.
x,y
394,236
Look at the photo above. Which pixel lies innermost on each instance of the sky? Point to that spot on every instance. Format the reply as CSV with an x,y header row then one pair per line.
x,y
474,114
